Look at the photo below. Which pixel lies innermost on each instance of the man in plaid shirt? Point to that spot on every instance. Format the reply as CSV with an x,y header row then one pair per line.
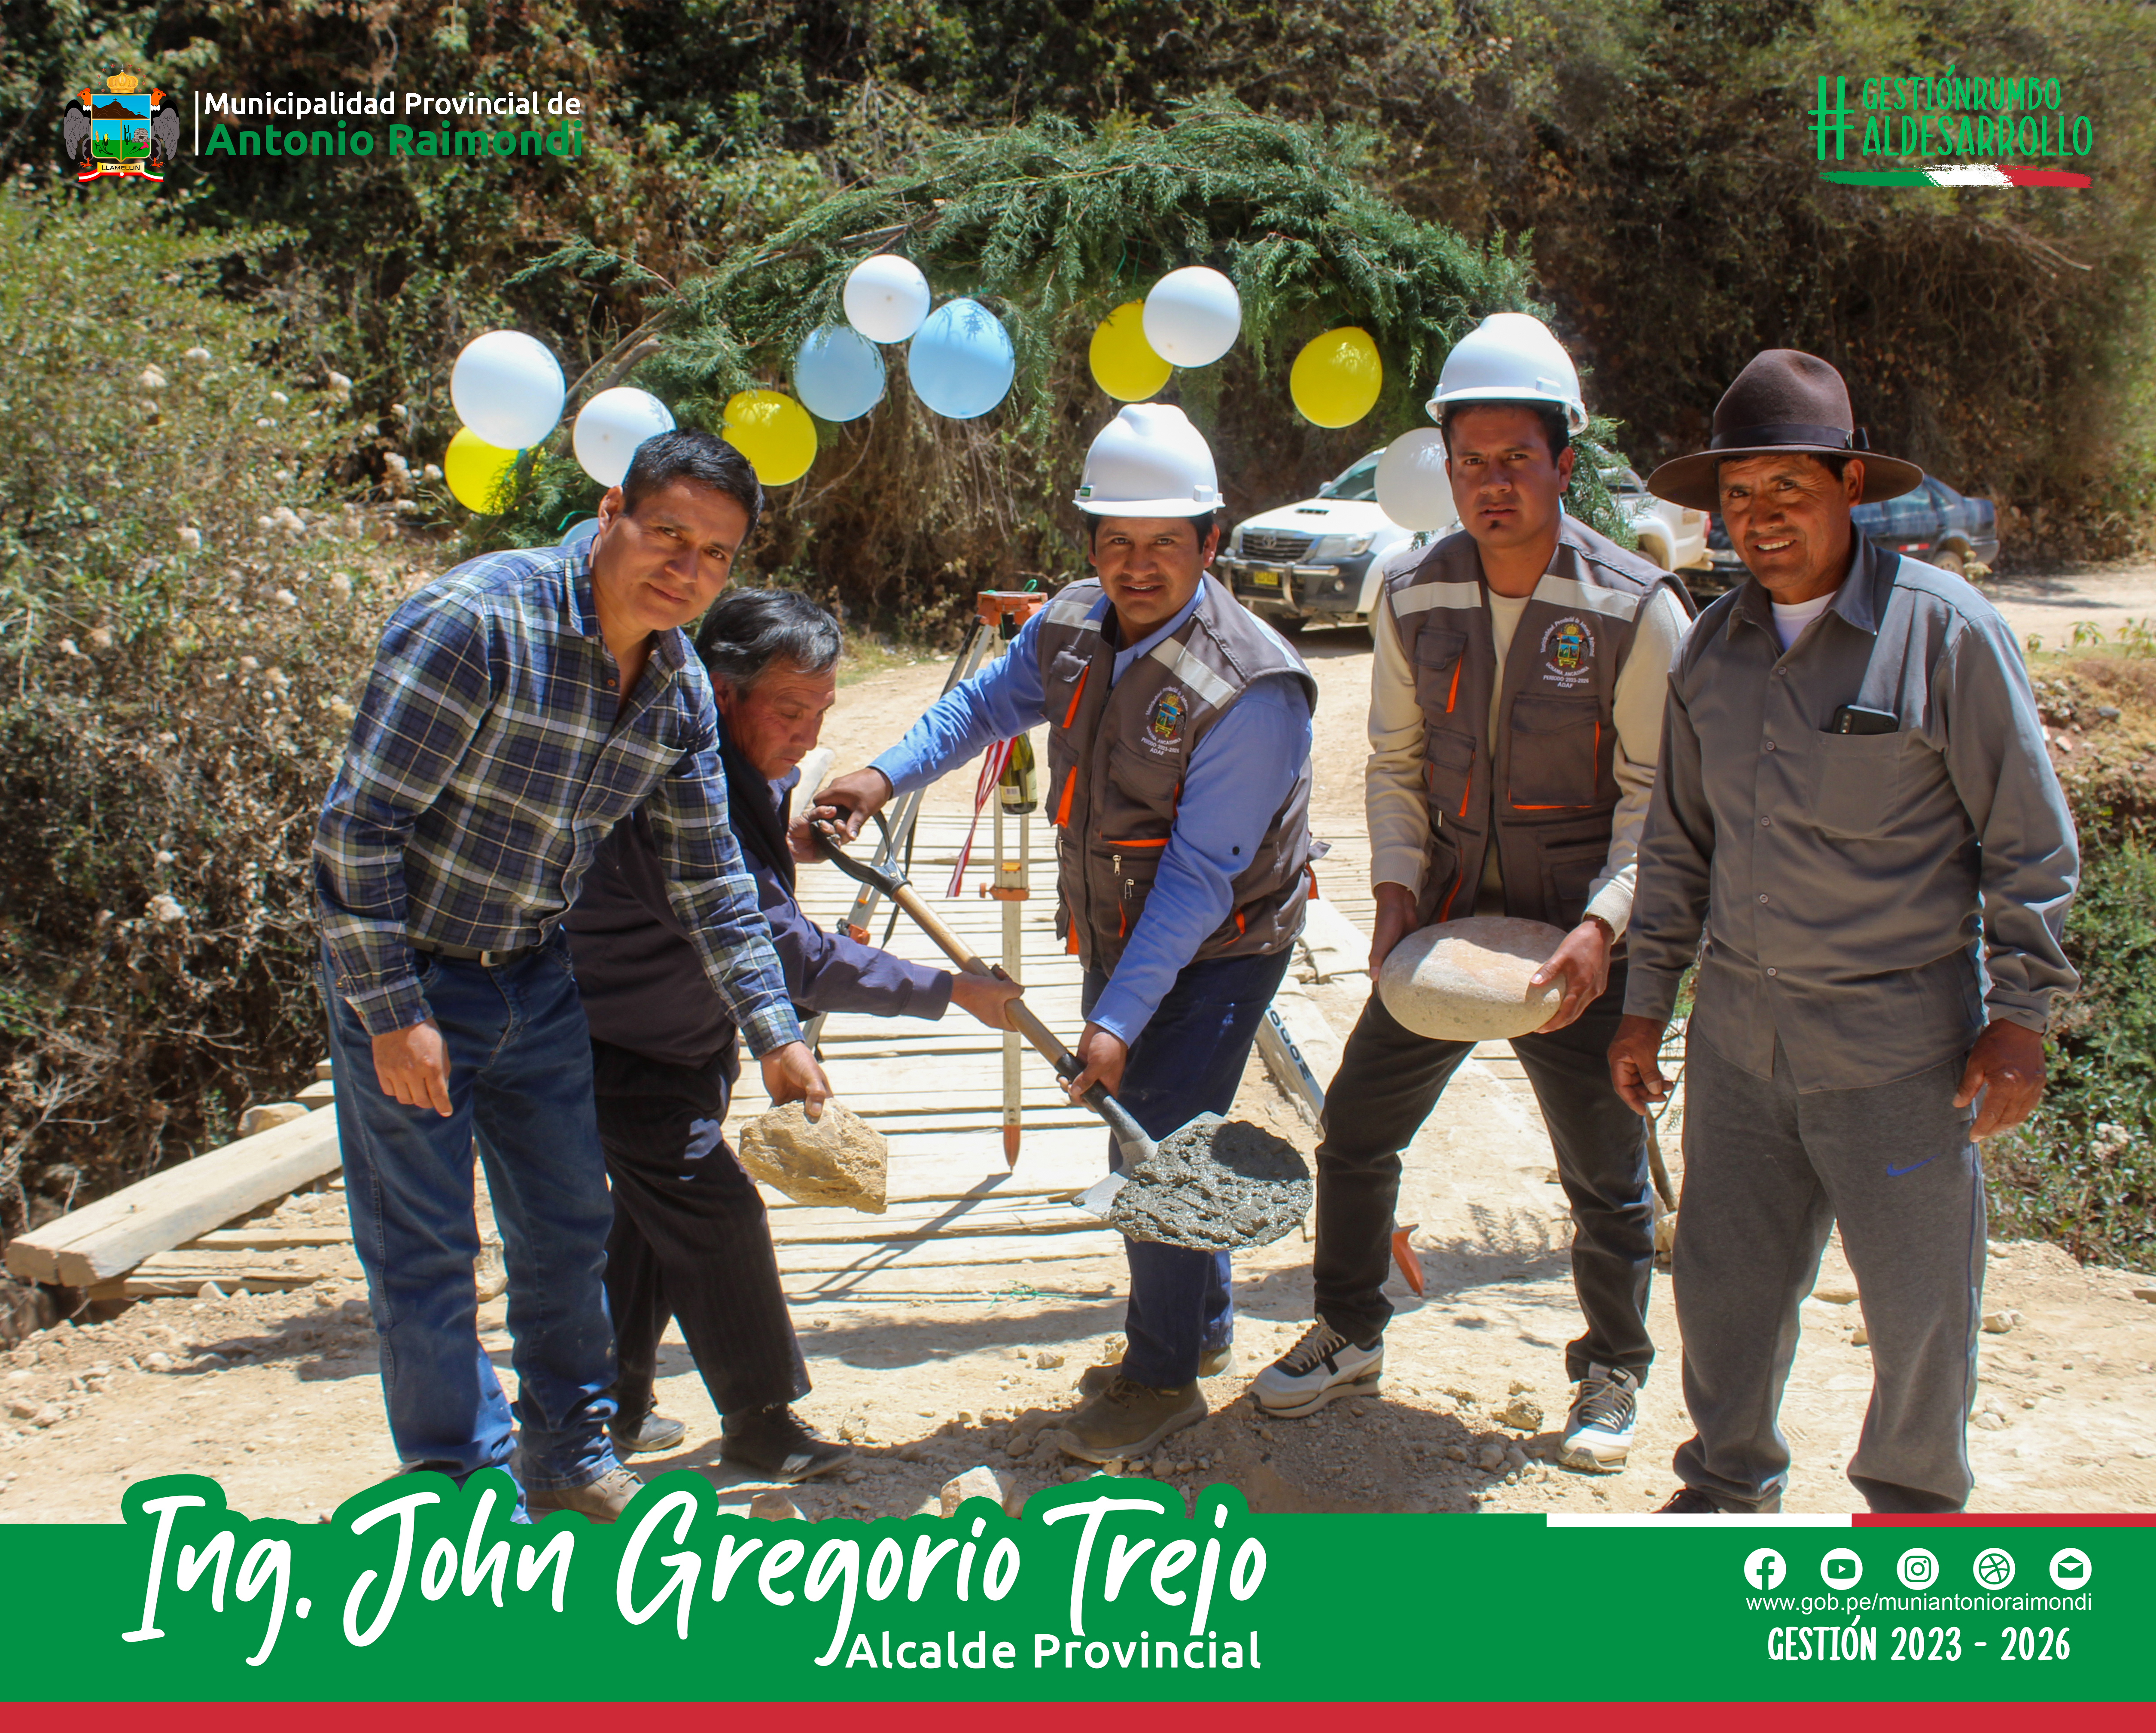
x,y
519,707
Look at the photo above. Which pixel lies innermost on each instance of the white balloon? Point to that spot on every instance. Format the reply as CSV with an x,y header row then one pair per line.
x,y
1413,489
508,389
886,297
612,426
1192,316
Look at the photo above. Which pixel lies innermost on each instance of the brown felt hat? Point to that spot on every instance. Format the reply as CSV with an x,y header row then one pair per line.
x,y
1785,400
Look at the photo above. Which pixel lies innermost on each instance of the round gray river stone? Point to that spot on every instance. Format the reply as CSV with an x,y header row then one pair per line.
x,y
1467,980
1217,1185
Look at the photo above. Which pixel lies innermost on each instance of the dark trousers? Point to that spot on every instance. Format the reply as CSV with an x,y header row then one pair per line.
x,y
1389,1079
1188,1059
691,1239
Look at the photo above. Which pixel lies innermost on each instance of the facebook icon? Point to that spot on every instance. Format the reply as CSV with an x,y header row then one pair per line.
x,y
1764,1569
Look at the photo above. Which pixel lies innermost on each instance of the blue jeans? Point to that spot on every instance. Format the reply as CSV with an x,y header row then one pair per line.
x,y
1188,1059
521,1090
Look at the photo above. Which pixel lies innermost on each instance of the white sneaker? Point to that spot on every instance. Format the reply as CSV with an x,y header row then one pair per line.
x,y
1605,1412
1323,1365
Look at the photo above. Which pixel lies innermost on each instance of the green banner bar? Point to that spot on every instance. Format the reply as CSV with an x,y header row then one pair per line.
x,y
1103,1590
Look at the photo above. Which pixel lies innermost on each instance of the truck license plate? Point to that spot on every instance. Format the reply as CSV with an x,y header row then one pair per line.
x,y
1264,580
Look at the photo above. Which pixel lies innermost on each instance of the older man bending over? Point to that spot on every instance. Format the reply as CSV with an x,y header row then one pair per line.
x,y
689,1237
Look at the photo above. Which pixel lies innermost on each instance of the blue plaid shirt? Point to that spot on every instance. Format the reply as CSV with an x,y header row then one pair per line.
x,y
486,763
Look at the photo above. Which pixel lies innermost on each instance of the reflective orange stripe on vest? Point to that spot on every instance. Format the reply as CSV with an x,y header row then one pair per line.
x,y
1077,692
1070,787
1452,697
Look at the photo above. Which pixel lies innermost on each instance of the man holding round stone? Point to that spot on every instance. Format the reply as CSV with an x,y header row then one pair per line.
x,y
1515,714
1857,810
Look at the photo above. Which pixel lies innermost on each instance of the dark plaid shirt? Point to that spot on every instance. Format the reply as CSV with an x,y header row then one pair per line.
x,y
488,761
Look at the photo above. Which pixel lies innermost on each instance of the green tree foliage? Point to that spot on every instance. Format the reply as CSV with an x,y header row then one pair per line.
x,y
1657,150
179,621
1053,225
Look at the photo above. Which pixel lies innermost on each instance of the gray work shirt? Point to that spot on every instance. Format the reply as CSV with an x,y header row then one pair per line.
x,y
1874,900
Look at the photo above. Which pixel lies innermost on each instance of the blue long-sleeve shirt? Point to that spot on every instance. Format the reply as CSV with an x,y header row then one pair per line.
x,y
1237,778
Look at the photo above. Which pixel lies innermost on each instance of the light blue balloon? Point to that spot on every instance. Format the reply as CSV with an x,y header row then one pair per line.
x,y
961,361
838,373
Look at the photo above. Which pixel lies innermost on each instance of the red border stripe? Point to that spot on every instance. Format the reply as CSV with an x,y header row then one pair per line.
x,y
567,1717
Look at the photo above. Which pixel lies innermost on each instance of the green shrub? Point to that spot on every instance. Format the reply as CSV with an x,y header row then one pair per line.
x,y
2082,1172
180,620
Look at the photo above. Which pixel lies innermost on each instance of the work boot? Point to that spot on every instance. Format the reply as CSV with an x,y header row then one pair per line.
x,y
1213,1363
1126,1420
646,1436
774,1442
602,1499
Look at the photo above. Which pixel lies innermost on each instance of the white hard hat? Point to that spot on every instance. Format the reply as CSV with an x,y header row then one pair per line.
x,y
1149,462
1511,358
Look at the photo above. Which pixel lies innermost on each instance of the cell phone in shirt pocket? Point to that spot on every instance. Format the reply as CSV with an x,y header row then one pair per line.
x,y
1860,778
1855,719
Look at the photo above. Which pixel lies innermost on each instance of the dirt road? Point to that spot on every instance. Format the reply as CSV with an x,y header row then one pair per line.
x,y
276,1394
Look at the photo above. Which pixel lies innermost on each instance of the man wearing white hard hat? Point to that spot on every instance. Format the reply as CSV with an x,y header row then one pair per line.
x,y
1179,758
1516,708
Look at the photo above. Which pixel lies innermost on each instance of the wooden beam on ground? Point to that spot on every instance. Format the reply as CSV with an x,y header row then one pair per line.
x,y
156,1280
267,1239
1335,945
111,1236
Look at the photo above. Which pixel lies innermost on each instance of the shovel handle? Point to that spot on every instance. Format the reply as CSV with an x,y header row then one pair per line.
x,y
1045,1039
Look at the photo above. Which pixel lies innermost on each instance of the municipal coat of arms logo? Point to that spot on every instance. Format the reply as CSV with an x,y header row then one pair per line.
x,y
1165,723
122,130
1567,647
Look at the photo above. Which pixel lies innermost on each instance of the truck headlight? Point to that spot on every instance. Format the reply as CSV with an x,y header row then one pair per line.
x,y
1339,547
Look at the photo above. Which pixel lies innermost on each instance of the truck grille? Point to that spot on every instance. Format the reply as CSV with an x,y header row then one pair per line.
x,y
1275,545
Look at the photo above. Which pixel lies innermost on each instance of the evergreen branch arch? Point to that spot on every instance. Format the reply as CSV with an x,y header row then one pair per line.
x,y
1053,225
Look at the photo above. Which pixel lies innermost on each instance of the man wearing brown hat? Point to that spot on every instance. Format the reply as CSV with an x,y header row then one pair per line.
x,y
1856,806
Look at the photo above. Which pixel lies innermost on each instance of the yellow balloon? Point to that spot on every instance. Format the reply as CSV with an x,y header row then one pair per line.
x,y
1124,364
479,474
1336,380
773,432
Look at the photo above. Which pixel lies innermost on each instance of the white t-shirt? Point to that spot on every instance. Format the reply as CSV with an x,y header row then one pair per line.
x,y
1790,622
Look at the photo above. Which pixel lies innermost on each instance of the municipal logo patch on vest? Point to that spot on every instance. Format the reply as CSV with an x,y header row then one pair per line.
x,y
1567,652
1170,710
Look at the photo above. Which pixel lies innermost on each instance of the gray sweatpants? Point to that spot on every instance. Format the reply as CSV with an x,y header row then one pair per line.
x,y
1768,1172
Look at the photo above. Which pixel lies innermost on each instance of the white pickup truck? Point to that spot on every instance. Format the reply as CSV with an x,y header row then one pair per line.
x,y
1673,536
1317,561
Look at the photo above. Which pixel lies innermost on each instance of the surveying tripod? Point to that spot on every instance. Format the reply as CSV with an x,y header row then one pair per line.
x,y
997,617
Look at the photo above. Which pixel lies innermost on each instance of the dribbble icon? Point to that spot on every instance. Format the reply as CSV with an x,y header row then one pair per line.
x,y
1841,1568
1765,1570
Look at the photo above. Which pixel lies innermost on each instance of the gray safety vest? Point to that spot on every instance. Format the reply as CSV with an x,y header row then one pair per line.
x,y
1548,785
1116,757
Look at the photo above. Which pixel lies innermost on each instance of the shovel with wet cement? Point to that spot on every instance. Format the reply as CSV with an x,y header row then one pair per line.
x,y
1213,1183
